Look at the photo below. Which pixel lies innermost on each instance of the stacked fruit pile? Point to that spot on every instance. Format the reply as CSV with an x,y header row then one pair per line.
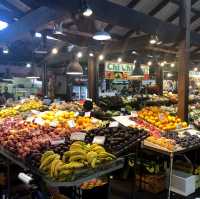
x,y
151,128
69,120
92,184
69,106
23,107
80,155
22,138
162,142
184,139
161,119
117,138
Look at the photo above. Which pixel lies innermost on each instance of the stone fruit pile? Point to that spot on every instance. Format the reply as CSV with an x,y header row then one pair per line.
x,y
161,119
80,155
22,138
117,138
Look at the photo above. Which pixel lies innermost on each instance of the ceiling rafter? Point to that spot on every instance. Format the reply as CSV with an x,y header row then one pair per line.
x,y
132,4
159,7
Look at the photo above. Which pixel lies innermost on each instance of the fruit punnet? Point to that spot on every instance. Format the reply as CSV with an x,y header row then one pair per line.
x,y
80,155
161,119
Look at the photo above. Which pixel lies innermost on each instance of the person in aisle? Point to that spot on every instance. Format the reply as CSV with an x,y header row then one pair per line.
x,y
6,94
2,98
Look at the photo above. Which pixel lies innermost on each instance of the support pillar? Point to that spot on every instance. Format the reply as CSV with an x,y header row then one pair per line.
x,y
93,78
183,59
159,79
44,83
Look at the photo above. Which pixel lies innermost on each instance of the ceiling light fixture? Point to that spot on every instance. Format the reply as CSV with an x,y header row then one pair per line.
x,y
58,29
172,65
162,64
134,52
154,40
169,75
102,36
3,25
28,65
101,57
5,50
91,54
54,51
74,68
119,59
38,35
51,38
149,63
86,10
195,69
79,55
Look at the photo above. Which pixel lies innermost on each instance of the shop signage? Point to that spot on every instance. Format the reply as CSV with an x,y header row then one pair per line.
x,y
194,74
115,70
119,67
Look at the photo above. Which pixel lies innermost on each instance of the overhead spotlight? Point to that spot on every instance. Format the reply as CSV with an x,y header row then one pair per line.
x,y
102,36
154,40
169,75
86,10
119,59
51,38
195,69
134,52
165,62
28,65
54,51
101,57
162,64
172,65
3,25
149,63
5,50
79,55
91,54
38,35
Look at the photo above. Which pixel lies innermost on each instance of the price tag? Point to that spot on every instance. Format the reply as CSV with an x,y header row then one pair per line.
x,y
161,116
30,119
57,142
35,112
129,98
99,140
78,136
134,114
54,124
123,109
114,124
39,121
76,114
71,123
87,114
94,120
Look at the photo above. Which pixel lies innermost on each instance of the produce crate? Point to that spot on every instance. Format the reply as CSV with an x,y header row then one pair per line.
x,y
151,183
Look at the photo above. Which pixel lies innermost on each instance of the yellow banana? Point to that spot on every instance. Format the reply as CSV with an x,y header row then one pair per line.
x,y
57,168
46,154
77,158
104,155
93,163
48,160
72,165
91,155
53,165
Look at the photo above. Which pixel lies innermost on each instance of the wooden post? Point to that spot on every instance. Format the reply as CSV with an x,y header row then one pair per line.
x,y
159,79
92,78
183,60
44,83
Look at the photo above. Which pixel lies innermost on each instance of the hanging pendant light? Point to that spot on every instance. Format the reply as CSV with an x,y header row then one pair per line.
x,y
137,72
58,29
74,68
33,73
102,36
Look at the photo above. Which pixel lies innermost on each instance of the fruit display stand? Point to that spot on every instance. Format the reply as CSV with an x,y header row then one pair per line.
x,y
42,181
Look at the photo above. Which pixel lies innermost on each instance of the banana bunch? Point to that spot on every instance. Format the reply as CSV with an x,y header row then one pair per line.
x,y
80,155
86,154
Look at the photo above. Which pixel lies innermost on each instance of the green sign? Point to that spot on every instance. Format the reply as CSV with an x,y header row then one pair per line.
x,y
119,67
